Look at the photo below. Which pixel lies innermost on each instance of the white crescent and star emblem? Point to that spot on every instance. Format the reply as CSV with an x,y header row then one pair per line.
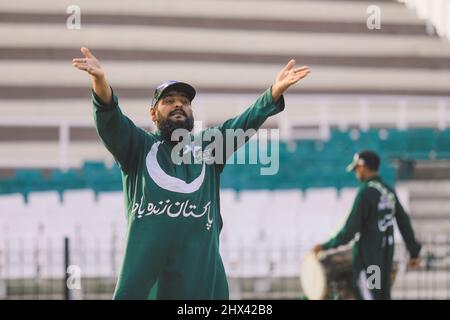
x,y
166,181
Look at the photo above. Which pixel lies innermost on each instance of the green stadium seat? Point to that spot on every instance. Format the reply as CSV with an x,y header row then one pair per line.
x,y
340,141
9,185
395,145
29,180
94,166
421,143
98,177
304,164
368,140
388,174
443,144
66,180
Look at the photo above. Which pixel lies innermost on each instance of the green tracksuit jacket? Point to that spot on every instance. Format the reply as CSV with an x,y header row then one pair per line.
x,y
374,211
172,210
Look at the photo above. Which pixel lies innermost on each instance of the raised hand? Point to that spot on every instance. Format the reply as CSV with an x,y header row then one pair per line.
x,y
92,66
89,63
287,77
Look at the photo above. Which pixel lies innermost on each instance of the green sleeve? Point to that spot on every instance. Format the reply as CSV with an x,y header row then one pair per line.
x,y
117,132
404,225
352,225
252,118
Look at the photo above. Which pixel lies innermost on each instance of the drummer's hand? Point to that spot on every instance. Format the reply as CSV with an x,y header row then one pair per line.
x,y
413,263
317,248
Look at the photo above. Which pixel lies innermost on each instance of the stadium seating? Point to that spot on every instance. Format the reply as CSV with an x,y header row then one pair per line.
x,y
303,164
443,144
385,89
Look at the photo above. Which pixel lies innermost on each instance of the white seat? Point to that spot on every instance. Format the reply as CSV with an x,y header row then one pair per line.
x,y
110,207
287,198
319,201
10,204
42,206
74,197
43,199
254,200
321,195
12,213
227,195
79,203
228,205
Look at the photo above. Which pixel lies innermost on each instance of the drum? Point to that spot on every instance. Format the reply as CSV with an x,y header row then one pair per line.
x,y
328,275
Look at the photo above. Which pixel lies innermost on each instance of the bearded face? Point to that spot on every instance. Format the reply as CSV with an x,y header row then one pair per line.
x,y
177,119
171,112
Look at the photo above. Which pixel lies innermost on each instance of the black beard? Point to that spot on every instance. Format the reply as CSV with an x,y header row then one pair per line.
x,y
167,126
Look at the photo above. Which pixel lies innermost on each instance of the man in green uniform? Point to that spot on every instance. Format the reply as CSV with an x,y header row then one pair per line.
x,y
172,208
374,211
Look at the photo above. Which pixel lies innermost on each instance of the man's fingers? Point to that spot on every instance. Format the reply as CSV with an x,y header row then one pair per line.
x,y
81,66
86,52
304,68
79,60
301,75
289,65
78,64
298,77
302,72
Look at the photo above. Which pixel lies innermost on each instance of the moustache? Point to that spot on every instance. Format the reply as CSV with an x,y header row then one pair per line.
x,y
178,111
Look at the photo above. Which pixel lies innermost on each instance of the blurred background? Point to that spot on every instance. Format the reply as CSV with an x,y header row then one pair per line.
x,y
386,89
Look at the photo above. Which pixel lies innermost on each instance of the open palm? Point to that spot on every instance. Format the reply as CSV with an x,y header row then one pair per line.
x,y
89,63
290,75
287,77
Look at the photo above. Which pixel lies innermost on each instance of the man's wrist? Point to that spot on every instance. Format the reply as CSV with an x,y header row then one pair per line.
x,y
99,81
103,101
101,87
277,92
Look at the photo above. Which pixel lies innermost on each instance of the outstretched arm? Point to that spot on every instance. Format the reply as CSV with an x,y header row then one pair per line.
x,y
268,104
351,227
118,133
